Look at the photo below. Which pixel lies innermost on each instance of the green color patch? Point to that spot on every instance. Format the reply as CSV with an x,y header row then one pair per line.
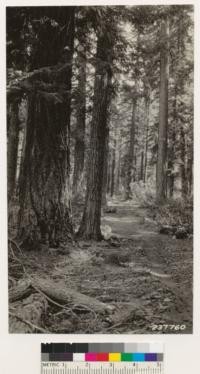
x,y
126,357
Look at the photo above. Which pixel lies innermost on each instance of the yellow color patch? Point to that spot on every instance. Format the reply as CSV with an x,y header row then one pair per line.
x,y
114,356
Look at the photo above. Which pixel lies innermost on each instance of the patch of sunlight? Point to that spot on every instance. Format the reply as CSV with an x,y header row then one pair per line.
x,y
159,274
121,219
146,232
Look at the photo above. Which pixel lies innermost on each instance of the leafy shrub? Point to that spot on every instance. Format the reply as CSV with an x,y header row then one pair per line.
x,y
176,212
144,193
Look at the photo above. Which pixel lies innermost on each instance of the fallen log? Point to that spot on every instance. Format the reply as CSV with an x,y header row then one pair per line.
x,y
60,293
167,229
180,232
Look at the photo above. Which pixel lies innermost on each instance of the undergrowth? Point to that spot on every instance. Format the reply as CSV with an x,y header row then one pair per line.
x,y
175,212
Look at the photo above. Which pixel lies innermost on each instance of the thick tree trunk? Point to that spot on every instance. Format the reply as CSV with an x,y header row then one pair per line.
x,y
130,171
12,147
44,194
45,186
91,221
79,148
163,117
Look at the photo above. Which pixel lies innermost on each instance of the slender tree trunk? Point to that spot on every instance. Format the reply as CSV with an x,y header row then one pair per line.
x,y
135,175
183,163
171,159
142,166
117,158
190,170
146,139
171,152
130,161
91,221
12,147
79,149
163,117
108,173
113,173
105,171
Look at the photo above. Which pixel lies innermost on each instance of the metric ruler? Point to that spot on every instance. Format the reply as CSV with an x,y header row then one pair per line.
x,y
102,368
100,358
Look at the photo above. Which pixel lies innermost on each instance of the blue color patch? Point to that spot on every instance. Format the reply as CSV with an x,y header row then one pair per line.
x,y
139,357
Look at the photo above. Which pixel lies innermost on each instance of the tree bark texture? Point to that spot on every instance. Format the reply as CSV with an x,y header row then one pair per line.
x,y
184,189
109,172
171,152
147,104
117,160
172,131
90,225
44,194
163,117
105,171
142,166
112,188
12,147
131,153
79,148
190,170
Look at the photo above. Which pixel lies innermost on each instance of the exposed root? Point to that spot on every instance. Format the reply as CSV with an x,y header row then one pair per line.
x,y
32,325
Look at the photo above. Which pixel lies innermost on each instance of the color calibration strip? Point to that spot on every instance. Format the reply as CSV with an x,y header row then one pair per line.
x,y
104,352
105,357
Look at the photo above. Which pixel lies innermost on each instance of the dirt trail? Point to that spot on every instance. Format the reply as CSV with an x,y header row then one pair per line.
x,y
130,221
146,276
164,258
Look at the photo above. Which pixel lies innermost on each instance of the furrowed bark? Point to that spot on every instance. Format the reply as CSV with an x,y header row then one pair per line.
x,y
44,188
130,173
163,117
79,148
90,225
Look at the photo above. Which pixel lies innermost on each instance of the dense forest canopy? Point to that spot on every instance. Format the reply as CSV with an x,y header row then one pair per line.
x,y
99,105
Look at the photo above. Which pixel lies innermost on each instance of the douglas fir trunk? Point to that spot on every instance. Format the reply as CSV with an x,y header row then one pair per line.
x,y
163,116
79,149
44,181
91,221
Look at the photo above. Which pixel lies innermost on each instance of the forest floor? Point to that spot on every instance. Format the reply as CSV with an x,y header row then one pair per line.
x,y
143,276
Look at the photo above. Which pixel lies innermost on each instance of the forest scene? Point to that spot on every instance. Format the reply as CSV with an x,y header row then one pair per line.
x,y
100,169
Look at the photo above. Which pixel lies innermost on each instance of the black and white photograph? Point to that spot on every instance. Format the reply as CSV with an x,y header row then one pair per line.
x,y
100,169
